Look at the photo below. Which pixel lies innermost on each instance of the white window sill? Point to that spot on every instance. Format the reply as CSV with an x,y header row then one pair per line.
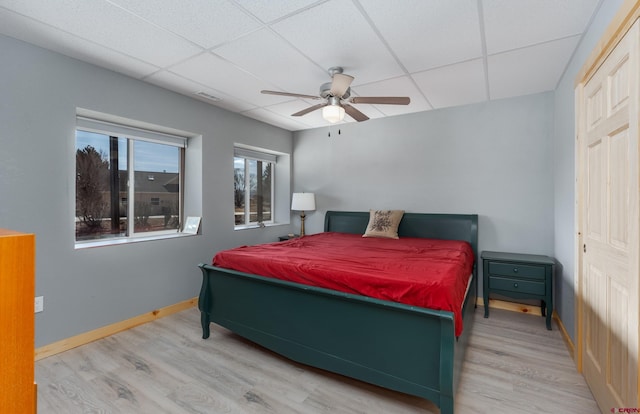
x,y
127,240
255,226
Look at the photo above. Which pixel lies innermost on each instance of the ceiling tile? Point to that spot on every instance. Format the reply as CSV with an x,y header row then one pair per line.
x,y
513,24
110,26
291,107
273,60
402,86
336,34
429,50
189,88
529,70
459,84
446,32
205,22
272,10
312,119
28,30
223,76
274,119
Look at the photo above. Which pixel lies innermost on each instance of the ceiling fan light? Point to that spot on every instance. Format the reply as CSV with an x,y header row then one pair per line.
x,y
333,113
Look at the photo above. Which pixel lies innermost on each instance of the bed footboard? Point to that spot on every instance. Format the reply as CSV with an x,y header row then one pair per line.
x,y
404,348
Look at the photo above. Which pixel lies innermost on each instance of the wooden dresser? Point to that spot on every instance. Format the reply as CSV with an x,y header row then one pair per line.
x,y
17,289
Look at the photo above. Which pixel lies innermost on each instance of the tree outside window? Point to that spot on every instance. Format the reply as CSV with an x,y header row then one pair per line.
x,y
253,190
108,192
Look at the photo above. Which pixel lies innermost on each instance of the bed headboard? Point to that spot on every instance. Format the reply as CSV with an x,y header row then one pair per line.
x,y
431,226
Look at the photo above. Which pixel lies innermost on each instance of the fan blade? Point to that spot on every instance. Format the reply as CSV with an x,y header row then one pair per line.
x,y
340,84
354,113
295,95
309,109
387,100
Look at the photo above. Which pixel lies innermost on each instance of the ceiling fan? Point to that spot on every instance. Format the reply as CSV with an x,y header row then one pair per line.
x,y
338,99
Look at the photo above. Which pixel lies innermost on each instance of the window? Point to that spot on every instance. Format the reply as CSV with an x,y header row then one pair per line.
x,y
128,181
253,185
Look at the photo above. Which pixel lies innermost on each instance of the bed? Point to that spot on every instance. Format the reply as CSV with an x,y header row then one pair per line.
x,y
406,348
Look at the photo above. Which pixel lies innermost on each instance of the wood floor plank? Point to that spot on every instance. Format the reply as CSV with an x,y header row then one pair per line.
x,y
513,364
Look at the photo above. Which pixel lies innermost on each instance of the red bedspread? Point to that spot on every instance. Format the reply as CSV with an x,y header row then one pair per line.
x,y
428,273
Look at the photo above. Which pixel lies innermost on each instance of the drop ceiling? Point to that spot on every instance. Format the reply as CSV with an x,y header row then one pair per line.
x,y
440,53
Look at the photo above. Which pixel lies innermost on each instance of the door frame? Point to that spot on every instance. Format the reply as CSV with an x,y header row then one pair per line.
x,y
625,17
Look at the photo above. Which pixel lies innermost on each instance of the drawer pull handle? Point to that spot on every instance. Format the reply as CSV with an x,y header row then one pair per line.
x,y
515,270
515,285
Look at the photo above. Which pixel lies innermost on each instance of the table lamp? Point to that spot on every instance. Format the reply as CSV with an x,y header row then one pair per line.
x,y
303,202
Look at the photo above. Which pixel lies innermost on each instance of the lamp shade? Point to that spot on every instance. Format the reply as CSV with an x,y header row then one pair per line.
x,y
303,202
333,113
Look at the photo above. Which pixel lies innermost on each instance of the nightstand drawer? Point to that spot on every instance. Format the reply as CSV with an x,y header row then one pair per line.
x,y
515,269
516,285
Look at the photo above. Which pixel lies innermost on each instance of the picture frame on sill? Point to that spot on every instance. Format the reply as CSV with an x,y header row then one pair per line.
x,y
191,225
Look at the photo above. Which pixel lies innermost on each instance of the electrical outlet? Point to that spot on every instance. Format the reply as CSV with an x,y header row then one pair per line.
x,y
39,303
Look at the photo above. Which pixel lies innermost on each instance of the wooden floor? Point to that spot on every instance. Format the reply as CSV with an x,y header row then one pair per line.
x,y
513,365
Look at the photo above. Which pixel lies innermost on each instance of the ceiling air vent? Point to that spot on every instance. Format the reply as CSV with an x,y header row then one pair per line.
x,y
208,96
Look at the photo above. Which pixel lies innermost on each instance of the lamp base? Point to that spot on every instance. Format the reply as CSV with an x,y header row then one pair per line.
x,y
302,216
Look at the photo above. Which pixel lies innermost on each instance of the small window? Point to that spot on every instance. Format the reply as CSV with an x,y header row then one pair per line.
x,y
115,164
253,186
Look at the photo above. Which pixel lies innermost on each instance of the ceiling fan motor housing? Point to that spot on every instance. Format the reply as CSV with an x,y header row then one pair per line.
x,y
325,91
334,100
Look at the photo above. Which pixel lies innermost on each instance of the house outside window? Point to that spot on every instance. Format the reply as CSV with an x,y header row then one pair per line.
x,y
115,198
253,186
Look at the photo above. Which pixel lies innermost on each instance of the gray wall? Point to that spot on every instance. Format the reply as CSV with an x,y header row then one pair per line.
x,y
494,159
90,288
565,164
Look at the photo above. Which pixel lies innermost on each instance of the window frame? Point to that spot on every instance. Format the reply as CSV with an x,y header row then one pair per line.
x,y
261,155
134,133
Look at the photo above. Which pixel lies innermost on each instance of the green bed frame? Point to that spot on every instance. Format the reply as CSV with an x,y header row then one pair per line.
x,y
400,347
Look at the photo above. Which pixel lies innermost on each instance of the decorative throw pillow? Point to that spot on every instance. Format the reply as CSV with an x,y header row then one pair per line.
x,y
383,223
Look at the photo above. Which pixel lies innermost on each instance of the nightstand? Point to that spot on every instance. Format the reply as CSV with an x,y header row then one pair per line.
x,y
287,237
520,276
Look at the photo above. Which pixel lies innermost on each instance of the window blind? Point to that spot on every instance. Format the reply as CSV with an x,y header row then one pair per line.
x,y
97,125
254,155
